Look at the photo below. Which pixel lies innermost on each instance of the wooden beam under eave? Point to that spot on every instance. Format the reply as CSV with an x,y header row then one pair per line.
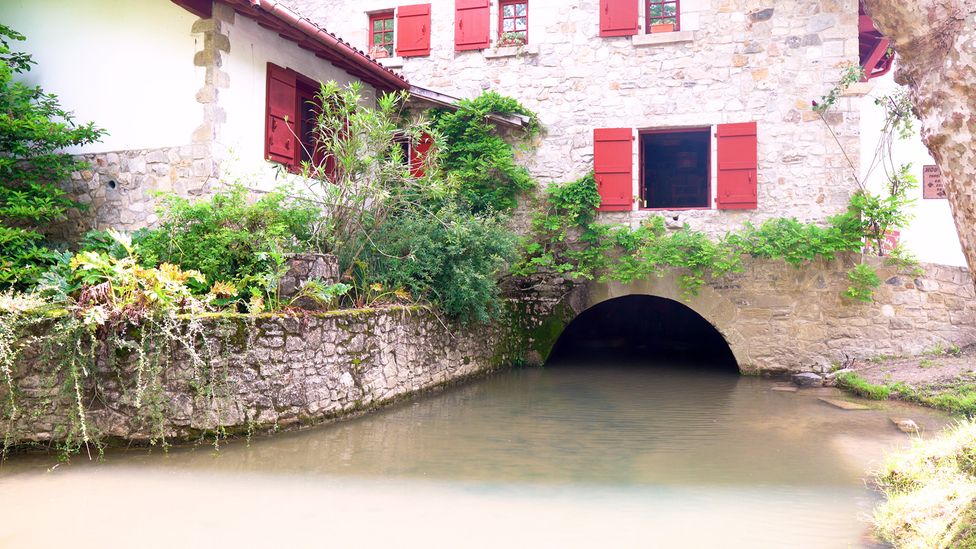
x,y
200,8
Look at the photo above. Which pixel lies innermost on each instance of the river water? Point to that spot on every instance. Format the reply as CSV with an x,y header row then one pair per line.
x,y
587,455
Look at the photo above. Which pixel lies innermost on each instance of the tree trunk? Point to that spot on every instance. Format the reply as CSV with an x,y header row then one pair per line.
x,y
936,45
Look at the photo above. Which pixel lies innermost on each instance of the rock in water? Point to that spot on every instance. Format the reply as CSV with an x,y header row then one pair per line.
x,y
844,404
807,379
906,425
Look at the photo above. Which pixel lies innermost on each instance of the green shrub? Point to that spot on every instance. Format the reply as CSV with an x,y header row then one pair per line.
x,y
474,153
403,238
34,129
452,258
863,280
229,239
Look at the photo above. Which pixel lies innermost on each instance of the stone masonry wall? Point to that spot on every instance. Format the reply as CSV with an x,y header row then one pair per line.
x,y
733,61
271,371
777,318
118,189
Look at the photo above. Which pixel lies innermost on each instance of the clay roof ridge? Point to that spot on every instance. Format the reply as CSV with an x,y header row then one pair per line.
x,y
291,18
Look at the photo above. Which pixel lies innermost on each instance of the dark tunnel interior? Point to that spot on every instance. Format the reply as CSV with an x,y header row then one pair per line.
x,y
645,330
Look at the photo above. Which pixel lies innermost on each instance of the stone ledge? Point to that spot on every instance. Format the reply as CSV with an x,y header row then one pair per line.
x,y
858,89
391,62
661,38
511,51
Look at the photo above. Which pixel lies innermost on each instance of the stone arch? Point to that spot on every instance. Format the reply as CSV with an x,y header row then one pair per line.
x,y
716,309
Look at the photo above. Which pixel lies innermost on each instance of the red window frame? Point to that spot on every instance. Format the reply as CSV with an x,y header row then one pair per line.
x,y
514,18
661,5
385,19
708,169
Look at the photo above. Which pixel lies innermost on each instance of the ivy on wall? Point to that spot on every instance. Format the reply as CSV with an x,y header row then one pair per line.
x,y
567,239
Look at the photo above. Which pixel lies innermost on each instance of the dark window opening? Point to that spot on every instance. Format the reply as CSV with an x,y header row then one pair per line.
x,y
675,169
644,329
308,114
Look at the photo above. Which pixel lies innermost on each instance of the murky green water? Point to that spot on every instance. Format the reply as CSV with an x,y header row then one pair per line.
x,y
571,456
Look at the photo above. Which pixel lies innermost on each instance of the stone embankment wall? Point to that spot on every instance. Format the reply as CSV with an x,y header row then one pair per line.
x,y
260,372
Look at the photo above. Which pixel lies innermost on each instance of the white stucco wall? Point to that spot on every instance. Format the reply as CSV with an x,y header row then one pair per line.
x,y
252,47
931,235
126,65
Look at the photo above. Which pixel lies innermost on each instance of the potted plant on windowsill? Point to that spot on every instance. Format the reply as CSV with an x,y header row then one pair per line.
x,y
515,39
379,52
662,27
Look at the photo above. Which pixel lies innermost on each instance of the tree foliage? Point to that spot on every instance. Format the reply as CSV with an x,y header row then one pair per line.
x,y
34,130
481,160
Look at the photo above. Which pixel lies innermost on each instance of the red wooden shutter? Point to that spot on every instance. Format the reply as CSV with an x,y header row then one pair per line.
x,y
613,164
471,24
418,155
413,30
737,166
618,17
280,139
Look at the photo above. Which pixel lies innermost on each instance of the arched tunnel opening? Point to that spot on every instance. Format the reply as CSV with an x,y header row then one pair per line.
x,y
643,330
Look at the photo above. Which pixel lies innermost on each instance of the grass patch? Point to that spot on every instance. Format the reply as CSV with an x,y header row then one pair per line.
x,y
931,492
960,399
862,387
957,399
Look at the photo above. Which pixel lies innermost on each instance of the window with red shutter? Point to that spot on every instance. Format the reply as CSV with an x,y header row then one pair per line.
x,y
471,24
738,160
413,30
613,167
280,137
419,154
381,34
618,17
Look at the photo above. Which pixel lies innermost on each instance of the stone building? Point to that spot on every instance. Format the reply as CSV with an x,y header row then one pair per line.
x,y
700,110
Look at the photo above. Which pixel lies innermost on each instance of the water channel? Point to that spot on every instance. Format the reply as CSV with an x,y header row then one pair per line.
x,y
570,455
638,433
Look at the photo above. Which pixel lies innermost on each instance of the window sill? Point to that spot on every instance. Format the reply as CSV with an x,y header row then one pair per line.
x,y
661,38
511,51
391,62
683,209
858,89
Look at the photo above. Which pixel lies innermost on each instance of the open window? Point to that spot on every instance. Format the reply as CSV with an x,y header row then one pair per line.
x,y
661,15
381,34
292,111
513,22
675,168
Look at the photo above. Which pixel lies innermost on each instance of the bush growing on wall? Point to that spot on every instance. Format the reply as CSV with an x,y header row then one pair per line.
x,y
231,240
34,128
432,238
481,160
